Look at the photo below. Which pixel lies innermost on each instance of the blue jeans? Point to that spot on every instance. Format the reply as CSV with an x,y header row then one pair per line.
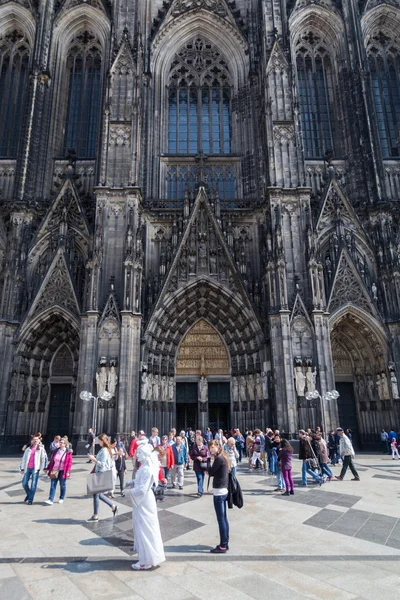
x,y
305,470
220,511
233,471
53,486
280,480
96,503
240,451
200,481
30,491
325,469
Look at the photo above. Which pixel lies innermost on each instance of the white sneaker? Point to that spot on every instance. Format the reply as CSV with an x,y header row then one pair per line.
x,y
138,567
60,501
48,502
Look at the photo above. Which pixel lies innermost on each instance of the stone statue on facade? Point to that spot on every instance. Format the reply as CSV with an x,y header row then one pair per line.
x,y
379,386
265,383
385,386
259,387
171,390
300,381
235,389
250,387
311,379
164,389
203,390
370,387
155,390
112,381
242,389
394,385
101,381
149,393
144,386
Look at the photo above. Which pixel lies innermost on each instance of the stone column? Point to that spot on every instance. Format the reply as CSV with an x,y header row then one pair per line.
x,y
7,331
129,372
326,373
83,417
282,368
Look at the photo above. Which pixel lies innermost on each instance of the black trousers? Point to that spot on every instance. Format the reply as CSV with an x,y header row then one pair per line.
x,y
348,464
121,475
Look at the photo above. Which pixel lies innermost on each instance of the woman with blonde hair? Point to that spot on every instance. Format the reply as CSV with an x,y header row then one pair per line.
x,y
220,473
103,462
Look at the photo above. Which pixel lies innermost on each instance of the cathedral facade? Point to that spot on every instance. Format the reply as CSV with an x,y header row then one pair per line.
x,y
199,217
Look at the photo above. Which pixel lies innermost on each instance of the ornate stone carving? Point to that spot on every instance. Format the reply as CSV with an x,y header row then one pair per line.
x,y
202,345
120,134
182,6
348,287
58,288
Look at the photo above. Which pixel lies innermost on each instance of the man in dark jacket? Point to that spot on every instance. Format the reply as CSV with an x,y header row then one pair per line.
x,y
305,452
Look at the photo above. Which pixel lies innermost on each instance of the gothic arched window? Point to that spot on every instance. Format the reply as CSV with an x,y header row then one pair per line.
x,y
199,101
84,95
315,89
384,62
14,65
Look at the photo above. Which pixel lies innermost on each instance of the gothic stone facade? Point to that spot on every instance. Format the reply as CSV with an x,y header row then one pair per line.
x,y
199,214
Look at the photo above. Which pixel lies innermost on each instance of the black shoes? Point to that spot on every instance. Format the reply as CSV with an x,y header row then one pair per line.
x,y
219,550
291,492
26,499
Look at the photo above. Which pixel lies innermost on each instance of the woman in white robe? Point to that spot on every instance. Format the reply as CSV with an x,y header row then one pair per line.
x,y
146,528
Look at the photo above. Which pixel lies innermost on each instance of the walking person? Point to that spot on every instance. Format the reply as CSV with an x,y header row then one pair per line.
x,y
232,454
332,449
33,461
394,447
167,461
347,453
275,467
180,461
305,454
120,466
385,441
90,442
185,442
103,462
256,454
154,439
208,436
200,455
55,444
239,441
220,473
59,470
146,528
285,460
323,457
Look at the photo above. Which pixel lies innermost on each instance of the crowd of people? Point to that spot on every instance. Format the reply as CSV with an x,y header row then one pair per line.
x,y
159,462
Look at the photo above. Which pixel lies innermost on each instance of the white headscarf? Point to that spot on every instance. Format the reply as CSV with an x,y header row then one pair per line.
x,y
146,456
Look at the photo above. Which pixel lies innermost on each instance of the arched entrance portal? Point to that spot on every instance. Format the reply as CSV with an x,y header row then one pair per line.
x,y
202,379
361,376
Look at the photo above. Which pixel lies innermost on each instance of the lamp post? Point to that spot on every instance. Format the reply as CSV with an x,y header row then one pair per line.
x,y
106,396
333,395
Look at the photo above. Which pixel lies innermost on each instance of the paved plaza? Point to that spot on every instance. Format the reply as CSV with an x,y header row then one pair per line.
x,y
340,541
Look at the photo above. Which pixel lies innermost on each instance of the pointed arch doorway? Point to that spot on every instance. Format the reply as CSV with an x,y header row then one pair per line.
x,y
203,357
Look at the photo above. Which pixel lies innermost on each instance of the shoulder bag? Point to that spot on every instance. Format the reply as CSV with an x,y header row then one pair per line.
x,y
97,483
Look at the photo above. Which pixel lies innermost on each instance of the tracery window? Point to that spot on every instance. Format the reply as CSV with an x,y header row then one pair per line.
x,y
84,94
384,62
199,101
315,82
14,66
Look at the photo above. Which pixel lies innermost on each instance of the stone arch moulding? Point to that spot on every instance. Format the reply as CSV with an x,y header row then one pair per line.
x,y
224,310
80,18
384,17
15,16
62,362
218,31
202,350
320,19
378,334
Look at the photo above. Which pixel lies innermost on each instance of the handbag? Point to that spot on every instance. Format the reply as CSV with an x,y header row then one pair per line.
x,y
97,483
312,464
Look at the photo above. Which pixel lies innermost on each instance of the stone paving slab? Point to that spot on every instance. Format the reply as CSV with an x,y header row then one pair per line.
x,y
340,541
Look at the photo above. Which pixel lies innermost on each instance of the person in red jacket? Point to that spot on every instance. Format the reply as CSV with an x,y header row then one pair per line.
x,y
167,461
133,448
61,465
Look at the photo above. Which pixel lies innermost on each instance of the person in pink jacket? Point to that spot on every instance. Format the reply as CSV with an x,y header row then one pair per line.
x,y
59,470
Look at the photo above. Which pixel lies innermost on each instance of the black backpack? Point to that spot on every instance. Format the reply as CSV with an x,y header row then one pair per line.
x,y
235,496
